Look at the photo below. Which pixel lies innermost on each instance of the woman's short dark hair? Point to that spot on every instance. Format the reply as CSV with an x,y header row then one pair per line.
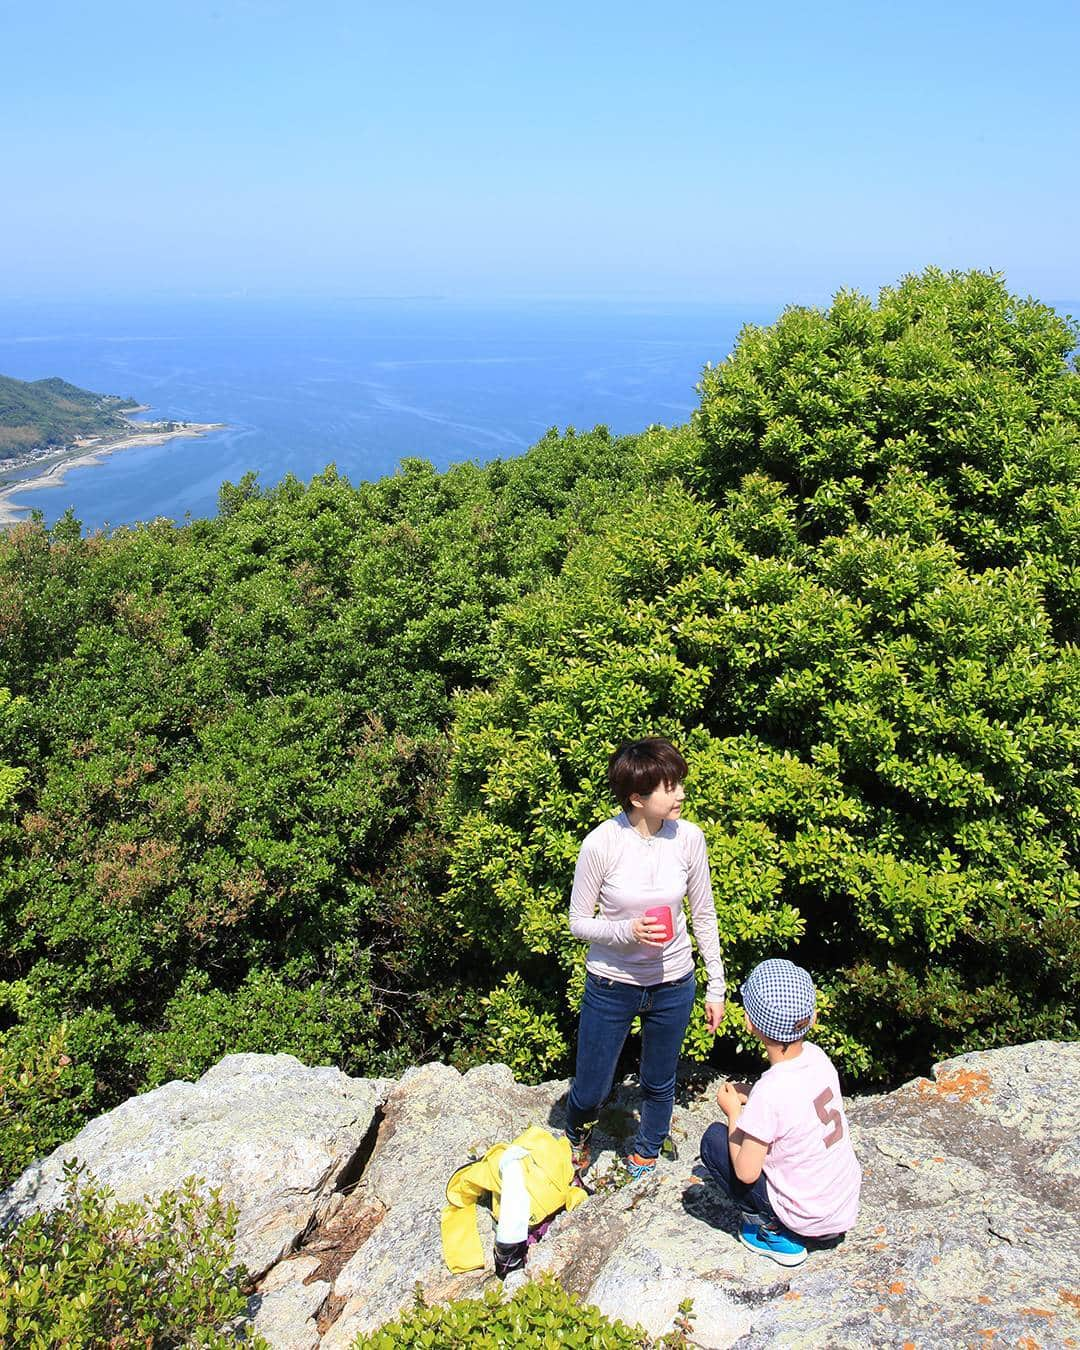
x,y
638,767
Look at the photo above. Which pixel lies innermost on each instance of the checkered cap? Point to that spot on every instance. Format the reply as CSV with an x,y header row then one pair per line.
x,y
779,1000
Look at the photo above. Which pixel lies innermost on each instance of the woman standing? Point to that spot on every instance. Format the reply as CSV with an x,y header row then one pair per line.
x,y
645,858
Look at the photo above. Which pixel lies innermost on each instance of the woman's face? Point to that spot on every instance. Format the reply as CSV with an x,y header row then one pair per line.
x,y
664,802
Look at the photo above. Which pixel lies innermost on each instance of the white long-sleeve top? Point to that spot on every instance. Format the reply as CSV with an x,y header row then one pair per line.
x,y
622,873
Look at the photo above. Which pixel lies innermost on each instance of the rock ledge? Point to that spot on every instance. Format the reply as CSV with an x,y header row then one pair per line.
x,y
967,1235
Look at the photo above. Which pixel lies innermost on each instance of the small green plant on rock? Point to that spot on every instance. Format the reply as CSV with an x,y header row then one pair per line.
x,y
540,1316
98,1273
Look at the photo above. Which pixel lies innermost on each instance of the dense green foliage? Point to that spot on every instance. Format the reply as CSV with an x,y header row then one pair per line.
x,y
312,776
858,616
233,743
53,412
541,1315
95,1273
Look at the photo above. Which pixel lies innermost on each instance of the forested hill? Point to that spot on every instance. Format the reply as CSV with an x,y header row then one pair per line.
x,y
311,776
53,412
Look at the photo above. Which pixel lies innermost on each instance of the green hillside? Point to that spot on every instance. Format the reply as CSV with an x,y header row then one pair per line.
x,y
53,412
312,776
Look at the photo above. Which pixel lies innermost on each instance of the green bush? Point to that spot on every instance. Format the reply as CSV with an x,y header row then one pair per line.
x,y
95,1273
11,779
541,1315
38,1107
945,411
857,618
224,828
262,775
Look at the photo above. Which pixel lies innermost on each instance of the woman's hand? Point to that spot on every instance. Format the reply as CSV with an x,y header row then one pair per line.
x,y
714,1015
650,931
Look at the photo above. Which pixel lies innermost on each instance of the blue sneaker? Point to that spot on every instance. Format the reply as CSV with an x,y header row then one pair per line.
x,y
775,1243
639,1167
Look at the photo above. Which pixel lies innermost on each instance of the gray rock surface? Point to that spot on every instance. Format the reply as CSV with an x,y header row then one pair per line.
x,y
968,1233
433,1121
272,1134
285,1309
968,1223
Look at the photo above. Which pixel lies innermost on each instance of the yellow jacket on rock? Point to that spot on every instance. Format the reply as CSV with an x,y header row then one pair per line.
x,y
549,1180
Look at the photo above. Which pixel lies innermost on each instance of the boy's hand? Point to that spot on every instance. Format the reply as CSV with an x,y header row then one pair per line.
x,y
714,1015
731,1102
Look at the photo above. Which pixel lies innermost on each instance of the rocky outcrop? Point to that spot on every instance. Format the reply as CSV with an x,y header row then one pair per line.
x,y
276,1137
967,1233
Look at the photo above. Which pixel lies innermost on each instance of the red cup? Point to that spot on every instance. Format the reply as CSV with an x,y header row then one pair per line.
x,y
662,914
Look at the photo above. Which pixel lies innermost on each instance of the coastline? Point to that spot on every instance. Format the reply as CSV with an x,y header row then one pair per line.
x,y
82,454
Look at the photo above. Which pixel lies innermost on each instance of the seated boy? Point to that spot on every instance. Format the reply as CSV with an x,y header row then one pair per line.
x,y
785,1155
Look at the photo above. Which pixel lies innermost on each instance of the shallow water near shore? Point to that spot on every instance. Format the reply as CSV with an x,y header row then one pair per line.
x,y
359,383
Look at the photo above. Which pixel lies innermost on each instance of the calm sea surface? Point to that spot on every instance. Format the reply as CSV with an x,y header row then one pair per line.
x,y
361,384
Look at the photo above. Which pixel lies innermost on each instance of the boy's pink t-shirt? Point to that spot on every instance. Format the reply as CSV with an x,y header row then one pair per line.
x,y
811,1172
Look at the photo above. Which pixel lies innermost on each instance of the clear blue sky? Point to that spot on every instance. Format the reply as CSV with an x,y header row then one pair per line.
x,y
718,151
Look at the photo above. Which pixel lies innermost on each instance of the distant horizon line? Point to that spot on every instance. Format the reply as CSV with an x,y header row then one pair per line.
x,y
818,300
387,296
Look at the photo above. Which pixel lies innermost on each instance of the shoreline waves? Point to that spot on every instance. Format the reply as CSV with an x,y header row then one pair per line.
x,y
78,456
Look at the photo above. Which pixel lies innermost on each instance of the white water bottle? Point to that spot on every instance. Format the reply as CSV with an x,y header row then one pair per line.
x,y
514,1199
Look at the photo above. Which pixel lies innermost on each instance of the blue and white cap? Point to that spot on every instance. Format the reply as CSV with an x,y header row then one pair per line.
x,y
779,1000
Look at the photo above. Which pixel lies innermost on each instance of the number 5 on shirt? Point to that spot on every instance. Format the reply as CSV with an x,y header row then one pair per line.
x,y
830,1119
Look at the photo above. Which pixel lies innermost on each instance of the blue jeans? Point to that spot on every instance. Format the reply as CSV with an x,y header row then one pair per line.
x,y
607,1010
753,1197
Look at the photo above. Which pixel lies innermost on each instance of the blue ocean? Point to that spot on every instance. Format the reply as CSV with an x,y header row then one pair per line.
x,y
361,384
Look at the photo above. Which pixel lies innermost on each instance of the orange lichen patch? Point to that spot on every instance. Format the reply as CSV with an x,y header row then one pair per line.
x,y
897,1287
988,1332
909,1345
880,1246
880,1228
935,1260
792,1295
1026,1343
880,1308
964,1085
983,1298
939,1160
695,1181
1036,1312
1066,1297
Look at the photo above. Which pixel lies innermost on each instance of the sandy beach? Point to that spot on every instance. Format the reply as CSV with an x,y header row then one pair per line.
x,y
88,452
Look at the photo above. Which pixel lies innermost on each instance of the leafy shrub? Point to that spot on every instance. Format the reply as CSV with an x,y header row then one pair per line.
x,y
870,664
541,1315
946,410
512,1026
95,1273
11,779
224,830
319,1021
39,1102
261,775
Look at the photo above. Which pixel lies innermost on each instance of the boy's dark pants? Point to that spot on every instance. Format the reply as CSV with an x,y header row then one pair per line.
x,y
752,1198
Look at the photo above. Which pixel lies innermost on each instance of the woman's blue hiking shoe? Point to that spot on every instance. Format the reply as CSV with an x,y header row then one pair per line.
x,y
773,1242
